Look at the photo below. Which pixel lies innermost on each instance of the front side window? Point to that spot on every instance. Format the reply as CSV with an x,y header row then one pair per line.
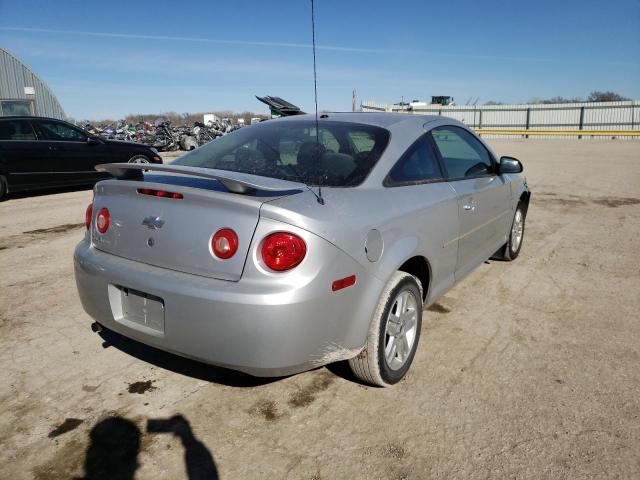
x,y
418,164
16,130
289,150
462,154
60,132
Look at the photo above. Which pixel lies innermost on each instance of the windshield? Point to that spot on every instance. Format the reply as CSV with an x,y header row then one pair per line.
x,y
288,150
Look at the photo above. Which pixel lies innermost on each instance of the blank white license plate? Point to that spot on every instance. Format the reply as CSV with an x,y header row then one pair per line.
x,y
137,308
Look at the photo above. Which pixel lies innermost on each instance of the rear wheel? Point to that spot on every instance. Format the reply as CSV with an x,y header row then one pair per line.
x,y
393,334
139,159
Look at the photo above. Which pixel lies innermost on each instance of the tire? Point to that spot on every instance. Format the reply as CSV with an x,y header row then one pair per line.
x,y
372,365
188,143
4,189
139,159
516,235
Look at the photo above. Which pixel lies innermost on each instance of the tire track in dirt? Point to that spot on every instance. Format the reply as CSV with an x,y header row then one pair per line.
x,y
31,236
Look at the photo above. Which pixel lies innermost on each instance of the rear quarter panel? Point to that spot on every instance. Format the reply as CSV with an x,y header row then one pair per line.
x,y
416,220
413,220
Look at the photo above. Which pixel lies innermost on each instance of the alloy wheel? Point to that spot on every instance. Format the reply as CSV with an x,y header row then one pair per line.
x,y
400,333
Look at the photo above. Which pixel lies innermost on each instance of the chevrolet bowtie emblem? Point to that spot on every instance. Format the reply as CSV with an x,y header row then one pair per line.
x,y
153,223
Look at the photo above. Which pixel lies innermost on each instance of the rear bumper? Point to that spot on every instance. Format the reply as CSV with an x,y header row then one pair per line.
x,y
245,325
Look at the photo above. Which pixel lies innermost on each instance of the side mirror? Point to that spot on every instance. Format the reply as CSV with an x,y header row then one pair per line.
x,y
509,165
93,141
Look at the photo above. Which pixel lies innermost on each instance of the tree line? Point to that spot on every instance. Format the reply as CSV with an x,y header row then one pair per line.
x,y
595,96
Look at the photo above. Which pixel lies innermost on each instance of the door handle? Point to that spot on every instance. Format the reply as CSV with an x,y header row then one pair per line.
x,y
471,205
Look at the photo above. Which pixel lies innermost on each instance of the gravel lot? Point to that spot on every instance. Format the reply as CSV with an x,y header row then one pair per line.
x,y
525,370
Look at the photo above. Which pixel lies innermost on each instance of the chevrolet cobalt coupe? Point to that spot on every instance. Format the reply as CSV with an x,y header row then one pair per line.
x,y
299,242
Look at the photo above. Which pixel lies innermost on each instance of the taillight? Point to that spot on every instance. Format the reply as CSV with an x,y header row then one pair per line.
x,y
282,251
160,193
87,216
224,244
102,220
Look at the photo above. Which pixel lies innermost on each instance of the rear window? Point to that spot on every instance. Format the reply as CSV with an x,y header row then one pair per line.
x,y
343,154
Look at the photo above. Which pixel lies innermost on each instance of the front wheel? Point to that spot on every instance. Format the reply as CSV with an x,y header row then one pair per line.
x,y
516,236
393,335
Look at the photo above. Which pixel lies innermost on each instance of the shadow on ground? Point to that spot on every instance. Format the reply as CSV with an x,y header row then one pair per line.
x,y
181,365
343,370
115,443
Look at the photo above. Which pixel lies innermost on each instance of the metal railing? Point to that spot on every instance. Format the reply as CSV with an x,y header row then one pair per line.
x,y
585,120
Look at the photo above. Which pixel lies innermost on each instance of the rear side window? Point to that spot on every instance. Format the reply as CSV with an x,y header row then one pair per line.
x,y
60,132
462,154
16,130
418,164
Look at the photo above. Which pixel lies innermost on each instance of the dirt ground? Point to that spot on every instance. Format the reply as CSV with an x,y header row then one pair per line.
x,y
525,370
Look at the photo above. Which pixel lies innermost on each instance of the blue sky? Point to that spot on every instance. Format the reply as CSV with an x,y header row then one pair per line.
x,y
110,58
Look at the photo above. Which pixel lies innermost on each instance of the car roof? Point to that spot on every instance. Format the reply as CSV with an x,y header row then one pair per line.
x,y
378,119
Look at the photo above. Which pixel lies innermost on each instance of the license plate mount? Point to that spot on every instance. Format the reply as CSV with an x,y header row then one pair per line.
x,y
137,309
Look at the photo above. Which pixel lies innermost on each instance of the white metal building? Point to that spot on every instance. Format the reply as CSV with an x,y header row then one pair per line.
x,y
22,92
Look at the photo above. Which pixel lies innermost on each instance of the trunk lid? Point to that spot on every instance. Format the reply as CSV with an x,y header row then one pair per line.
x,y
176,233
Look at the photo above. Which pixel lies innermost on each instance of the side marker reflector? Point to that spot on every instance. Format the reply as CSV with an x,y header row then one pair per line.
x,y
343,283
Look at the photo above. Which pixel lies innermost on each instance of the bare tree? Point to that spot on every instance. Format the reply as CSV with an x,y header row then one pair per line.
x,y
557,99
597,96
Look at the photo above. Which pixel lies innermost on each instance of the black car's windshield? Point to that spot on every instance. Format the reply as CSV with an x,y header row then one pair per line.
x,y
288,150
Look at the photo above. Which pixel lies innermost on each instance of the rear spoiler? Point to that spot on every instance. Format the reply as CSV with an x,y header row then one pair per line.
x,y
235,182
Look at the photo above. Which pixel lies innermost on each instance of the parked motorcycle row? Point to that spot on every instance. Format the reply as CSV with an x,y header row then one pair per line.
x,y
163,136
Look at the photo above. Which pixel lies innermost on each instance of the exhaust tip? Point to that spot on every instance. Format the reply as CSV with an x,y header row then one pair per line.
x,y
96,327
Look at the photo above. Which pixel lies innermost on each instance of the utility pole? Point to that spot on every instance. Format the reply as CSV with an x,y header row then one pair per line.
x,y
353,100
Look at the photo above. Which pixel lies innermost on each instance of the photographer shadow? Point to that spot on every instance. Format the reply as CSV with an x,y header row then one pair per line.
x,y
197,457
115,444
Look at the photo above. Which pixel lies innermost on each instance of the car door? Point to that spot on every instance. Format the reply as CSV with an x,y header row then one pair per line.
x,y
25,160
417,182
74,156
483,196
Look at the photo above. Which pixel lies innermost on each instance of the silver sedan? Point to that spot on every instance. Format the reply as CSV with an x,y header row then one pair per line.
x,y
300,241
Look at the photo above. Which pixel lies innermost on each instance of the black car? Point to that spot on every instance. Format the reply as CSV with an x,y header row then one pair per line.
x,y
39,152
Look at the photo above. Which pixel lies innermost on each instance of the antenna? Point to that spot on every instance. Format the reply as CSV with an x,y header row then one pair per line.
x,y
315,91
